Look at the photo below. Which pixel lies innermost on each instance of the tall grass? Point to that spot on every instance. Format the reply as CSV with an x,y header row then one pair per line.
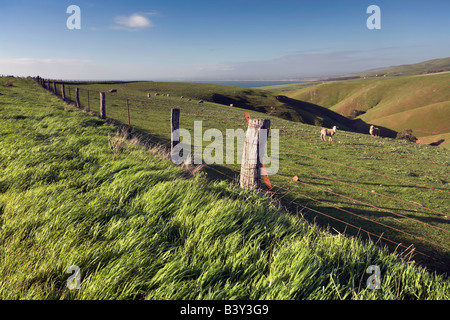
x,y
141,228
366,170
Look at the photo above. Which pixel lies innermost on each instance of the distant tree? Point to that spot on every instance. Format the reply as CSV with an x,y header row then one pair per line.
x,y
406,135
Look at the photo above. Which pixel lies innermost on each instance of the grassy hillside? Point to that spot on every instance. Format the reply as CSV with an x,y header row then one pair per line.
x,y
419,103
243,98
72,192
387,187
425,67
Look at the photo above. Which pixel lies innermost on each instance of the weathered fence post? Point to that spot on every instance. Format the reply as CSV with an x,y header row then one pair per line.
x,y
252,157
63,92
77,97
54,88
89,106
175,125
128,112
102,106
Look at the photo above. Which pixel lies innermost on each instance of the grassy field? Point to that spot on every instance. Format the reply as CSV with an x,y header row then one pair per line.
x,y
74,192
393,189
417,102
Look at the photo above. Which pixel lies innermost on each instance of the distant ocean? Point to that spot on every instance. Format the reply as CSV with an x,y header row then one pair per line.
x,y
249,83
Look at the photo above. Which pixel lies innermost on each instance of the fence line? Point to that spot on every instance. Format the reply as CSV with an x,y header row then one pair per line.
x,y
296,153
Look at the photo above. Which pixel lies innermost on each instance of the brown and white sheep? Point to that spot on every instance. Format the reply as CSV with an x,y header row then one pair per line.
x,y
374,131
327,132
112,91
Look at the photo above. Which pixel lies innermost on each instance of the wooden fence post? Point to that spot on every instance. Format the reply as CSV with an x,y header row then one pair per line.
x,y
77,97
102,106
264,174
63,92
253,148
89,106
54,88
128,112
175,125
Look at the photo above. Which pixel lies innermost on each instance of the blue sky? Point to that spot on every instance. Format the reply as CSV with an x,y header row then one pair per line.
x,y
217,39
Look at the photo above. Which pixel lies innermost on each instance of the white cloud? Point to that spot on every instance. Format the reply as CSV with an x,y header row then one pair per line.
x,y
134,22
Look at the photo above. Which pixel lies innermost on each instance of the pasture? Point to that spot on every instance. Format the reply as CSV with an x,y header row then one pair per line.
x,y
141,228
395,190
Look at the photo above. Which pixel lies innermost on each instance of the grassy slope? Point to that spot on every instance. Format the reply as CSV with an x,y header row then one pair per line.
x,y
246,98
429,66
309,159
387,101
138,227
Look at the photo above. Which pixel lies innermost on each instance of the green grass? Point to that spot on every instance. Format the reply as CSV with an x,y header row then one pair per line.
x,y
141,228
397,169
249,99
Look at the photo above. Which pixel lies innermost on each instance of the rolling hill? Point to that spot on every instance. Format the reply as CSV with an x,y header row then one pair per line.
x,y
425,67
333,175
419,102
76,192
243,98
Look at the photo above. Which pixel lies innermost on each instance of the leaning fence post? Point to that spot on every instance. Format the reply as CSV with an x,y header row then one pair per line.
x,y
77,97
175,134
63,92
102,106
252,157
54,88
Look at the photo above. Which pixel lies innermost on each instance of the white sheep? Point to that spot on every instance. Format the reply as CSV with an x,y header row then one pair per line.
x,y
374,131
327,132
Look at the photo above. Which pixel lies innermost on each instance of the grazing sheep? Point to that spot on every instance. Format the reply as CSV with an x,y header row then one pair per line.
x,y
182,97
327,132
374,131
149,95
168,95
189,99
201,101
112,91
231,105
157,94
